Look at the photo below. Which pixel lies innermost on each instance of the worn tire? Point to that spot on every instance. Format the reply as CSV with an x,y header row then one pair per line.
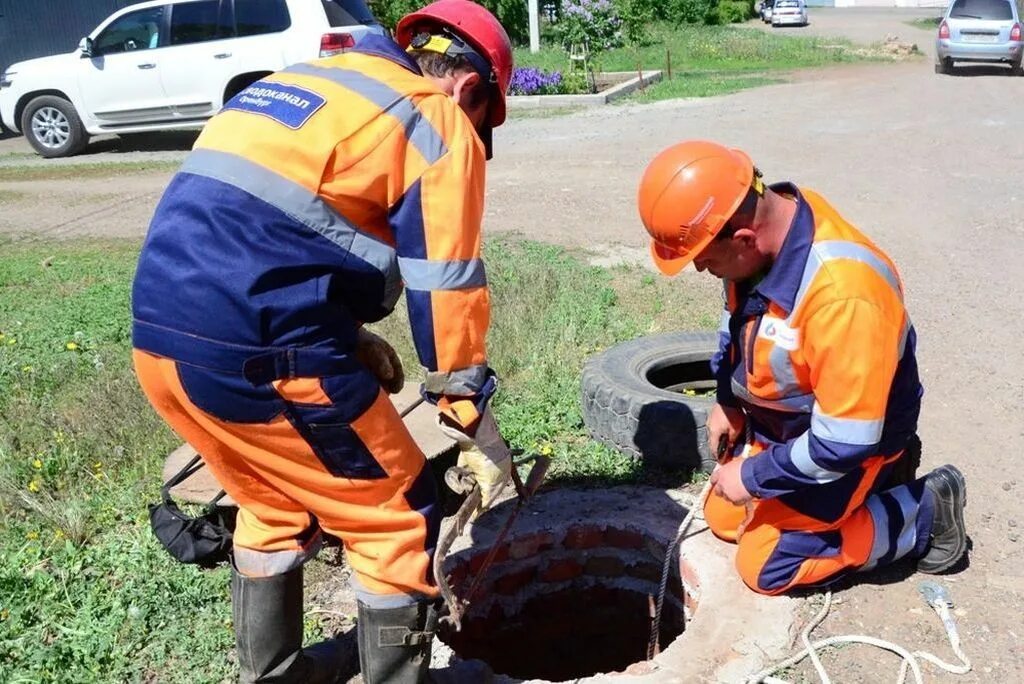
x,y
77,138
624,409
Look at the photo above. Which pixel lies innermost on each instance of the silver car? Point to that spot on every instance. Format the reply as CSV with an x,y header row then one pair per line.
x,y
789,13
979,31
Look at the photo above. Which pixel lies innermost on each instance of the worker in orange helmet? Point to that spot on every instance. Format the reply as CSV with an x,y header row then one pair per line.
x,y
307,205
818,389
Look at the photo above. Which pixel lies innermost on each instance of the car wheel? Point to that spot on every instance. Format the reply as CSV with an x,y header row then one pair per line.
x,y
644,398
53,128
1017,69
944,66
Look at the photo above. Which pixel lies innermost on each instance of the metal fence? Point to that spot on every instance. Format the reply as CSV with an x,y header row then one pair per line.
x,y
37,28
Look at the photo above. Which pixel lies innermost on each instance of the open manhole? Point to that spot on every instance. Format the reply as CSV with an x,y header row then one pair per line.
x,y
568,597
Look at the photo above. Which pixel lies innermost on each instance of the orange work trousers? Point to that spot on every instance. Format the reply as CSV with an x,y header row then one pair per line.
x,y
303,455
817,535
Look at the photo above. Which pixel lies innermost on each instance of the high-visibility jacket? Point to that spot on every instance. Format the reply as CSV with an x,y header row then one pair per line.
x,y
306,205
820,353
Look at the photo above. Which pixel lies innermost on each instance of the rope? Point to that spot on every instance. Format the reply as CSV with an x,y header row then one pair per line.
x,y
652,643
935,596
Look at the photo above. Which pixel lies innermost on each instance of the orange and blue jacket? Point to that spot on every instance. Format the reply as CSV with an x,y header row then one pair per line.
x,y
307,204
820,353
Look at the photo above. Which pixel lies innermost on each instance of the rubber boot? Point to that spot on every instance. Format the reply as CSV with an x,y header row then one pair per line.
x,y
268,633
949,534
394,643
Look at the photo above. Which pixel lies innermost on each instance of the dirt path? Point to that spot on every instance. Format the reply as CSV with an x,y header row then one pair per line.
x,y
930,166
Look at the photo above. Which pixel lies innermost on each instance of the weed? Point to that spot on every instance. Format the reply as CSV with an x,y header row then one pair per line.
x,y
77,171
925,23
11,196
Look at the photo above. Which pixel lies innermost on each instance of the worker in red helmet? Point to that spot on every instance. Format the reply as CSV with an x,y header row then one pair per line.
x,y
818,387
306,207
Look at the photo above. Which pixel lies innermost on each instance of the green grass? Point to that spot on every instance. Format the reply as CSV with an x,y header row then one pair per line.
x,y
704,57
11,195
542,112
86,593
700,85
63,171
925,24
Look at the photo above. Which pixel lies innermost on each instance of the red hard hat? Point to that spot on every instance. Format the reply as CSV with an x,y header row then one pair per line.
x,y
687,195
477,26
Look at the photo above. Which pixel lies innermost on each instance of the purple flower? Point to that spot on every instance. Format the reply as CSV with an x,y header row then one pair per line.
x,y
534,81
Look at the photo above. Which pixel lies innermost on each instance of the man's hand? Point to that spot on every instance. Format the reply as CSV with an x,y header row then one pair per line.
x,y
726,423
380,357
727,483
484,454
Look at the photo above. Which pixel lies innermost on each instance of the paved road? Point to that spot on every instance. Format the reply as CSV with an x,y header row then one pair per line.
x,y
929,165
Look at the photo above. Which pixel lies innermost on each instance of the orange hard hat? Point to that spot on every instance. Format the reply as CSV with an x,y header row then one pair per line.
x,y
476,25
687,194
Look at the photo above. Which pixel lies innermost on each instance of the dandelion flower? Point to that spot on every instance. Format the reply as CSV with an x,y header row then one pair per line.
x,y
71,346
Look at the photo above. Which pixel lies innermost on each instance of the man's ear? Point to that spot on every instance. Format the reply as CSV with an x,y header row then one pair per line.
x,y
464,84
745,235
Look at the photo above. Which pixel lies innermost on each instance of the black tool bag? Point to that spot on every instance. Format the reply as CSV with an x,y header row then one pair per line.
x,y
203,540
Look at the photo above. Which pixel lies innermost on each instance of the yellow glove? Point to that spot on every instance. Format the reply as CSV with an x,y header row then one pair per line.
x,y
380,357
484,454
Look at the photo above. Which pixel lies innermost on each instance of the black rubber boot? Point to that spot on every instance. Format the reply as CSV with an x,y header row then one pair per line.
x,y
394,643
949,534
268,633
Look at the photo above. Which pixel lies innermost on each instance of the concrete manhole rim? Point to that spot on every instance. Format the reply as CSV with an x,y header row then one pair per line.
x,y
569,540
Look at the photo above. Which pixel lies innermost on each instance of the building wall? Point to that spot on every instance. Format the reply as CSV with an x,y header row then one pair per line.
x,y
37,28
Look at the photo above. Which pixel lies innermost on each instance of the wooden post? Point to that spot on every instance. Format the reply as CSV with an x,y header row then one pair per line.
x,y
668,63
640,73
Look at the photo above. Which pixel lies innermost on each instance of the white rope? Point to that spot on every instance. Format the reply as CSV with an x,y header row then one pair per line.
x,y
938,601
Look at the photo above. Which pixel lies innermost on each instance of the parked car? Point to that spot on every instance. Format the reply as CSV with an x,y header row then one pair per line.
x,y
979,31
789,13
765,10
169,65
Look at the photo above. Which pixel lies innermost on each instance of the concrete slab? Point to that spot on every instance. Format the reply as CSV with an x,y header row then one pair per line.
x,y
202,486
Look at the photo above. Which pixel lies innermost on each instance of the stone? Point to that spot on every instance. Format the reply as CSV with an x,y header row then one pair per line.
x,y
623,539
561,570
583,537
514,582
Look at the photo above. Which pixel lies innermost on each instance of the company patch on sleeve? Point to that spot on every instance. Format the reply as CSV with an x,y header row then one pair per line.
x,y
288,105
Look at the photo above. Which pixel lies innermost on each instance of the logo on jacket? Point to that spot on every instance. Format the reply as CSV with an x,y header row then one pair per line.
x,y
776,330
288,105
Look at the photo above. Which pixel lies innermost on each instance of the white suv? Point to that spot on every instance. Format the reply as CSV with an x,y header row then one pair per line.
x,y
169,65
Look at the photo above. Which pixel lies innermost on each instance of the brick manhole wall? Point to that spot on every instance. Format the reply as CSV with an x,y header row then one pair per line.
x,y
561,605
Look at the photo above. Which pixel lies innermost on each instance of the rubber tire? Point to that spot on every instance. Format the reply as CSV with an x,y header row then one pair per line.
x,y
624,410
944,66
77,138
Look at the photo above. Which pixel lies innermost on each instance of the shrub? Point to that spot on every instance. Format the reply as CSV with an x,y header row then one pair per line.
x,y
733,11
637,16
693,11
513,14
594,23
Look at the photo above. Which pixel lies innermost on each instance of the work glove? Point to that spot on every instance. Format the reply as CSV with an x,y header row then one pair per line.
x,y
374,352
484,454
